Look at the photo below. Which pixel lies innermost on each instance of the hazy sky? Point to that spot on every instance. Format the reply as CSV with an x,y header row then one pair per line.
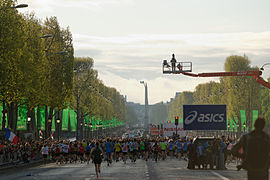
x,y
128,39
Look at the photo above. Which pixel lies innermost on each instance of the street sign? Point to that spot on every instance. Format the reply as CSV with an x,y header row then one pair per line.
x,y
170,128
154,131
204,117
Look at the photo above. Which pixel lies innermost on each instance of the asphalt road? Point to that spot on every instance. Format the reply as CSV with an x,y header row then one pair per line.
x,y
140,170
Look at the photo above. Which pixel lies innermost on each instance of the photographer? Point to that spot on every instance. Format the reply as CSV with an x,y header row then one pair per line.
x,y
256,149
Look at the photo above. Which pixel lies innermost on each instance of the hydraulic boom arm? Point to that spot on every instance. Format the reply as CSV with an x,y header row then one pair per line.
x,y
185,68
255,74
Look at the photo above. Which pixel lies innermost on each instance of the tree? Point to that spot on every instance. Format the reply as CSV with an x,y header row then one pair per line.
x,y
11,50
241,90
158,113
265,103
132,118
176,107
59,52
84,99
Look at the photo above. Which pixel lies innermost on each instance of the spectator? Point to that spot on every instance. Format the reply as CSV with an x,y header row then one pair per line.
x,y
256,149
45,152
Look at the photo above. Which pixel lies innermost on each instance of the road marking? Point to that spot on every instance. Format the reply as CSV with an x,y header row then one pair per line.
x,y
90,176
219,175
146,172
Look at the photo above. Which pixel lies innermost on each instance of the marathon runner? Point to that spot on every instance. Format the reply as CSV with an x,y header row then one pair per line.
x,y
96,153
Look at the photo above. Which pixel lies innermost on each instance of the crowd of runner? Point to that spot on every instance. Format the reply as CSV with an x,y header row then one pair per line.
x,y
212,153
115,149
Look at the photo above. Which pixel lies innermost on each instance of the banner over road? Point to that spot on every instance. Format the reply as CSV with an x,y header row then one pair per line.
x,y
205,117
170,128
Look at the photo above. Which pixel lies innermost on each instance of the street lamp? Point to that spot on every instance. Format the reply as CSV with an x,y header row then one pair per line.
x,y
29,124
238,130
19,6
49,124
100,128
60,52
47,36
146,117
228,129
233,129
58,128
264,65
91,125
85,130
49,120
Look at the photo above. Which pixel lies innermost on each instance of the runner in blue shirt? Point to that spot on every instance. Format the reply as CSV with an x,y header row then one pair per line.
x,y
185,149
171,148
109,150
87,152
179,149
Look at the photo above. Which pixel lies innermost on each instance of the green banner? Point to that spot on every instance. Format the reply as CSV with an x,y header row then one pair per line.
x,y
243,118
73,120
65,119
22,117
67,114
53,120
42,118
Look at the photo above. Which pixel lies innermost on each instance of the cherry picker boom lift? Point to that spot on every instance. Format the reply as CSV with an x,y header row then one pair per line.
x,y
185,68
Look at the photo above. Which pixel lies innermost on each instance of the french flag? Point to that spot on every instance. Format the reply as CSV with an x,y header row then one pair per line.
x,y
11,136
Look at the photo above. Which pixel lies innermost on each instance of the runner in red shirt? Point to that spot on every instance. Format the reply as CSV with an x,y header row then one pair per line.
x,y
57,154
70,152
81,151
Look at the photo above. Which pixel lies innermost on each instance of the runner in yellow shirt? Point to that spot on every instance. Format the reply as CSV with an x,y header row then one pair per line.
x,y
117,148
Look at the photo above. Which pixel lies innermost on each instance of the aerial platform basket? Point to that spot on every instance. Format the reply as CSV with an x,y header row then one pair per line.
x,y
180,67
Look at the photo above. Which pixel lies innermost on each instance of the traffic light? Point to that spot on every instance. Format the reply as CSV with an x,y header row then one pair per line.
x,y
176,120
168,121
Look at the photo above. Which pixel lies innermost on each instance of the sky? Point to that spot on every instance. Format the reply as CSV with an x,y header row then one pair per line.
x,y
129,39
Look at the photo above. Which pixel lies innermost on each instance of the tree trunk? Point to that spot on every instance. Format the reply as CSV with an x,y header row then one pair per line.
x,y
46,122
55,123
4,116
29,125
14,115
78,121
8,115
81,126
61,122
11,115
240,126
38,122
33,123
50,124
16,118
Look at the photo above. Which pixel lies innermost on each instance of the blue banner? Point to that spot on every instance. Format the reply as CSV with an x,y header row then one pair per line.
x,y
205,117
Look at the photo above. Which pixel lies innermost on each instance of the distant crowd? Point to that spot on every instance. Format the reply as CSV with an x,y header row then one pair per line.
x,y
201,153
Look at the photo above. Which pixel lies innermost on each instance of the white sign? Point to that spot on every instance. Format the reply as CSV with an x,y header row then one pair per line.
x,y
170,128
